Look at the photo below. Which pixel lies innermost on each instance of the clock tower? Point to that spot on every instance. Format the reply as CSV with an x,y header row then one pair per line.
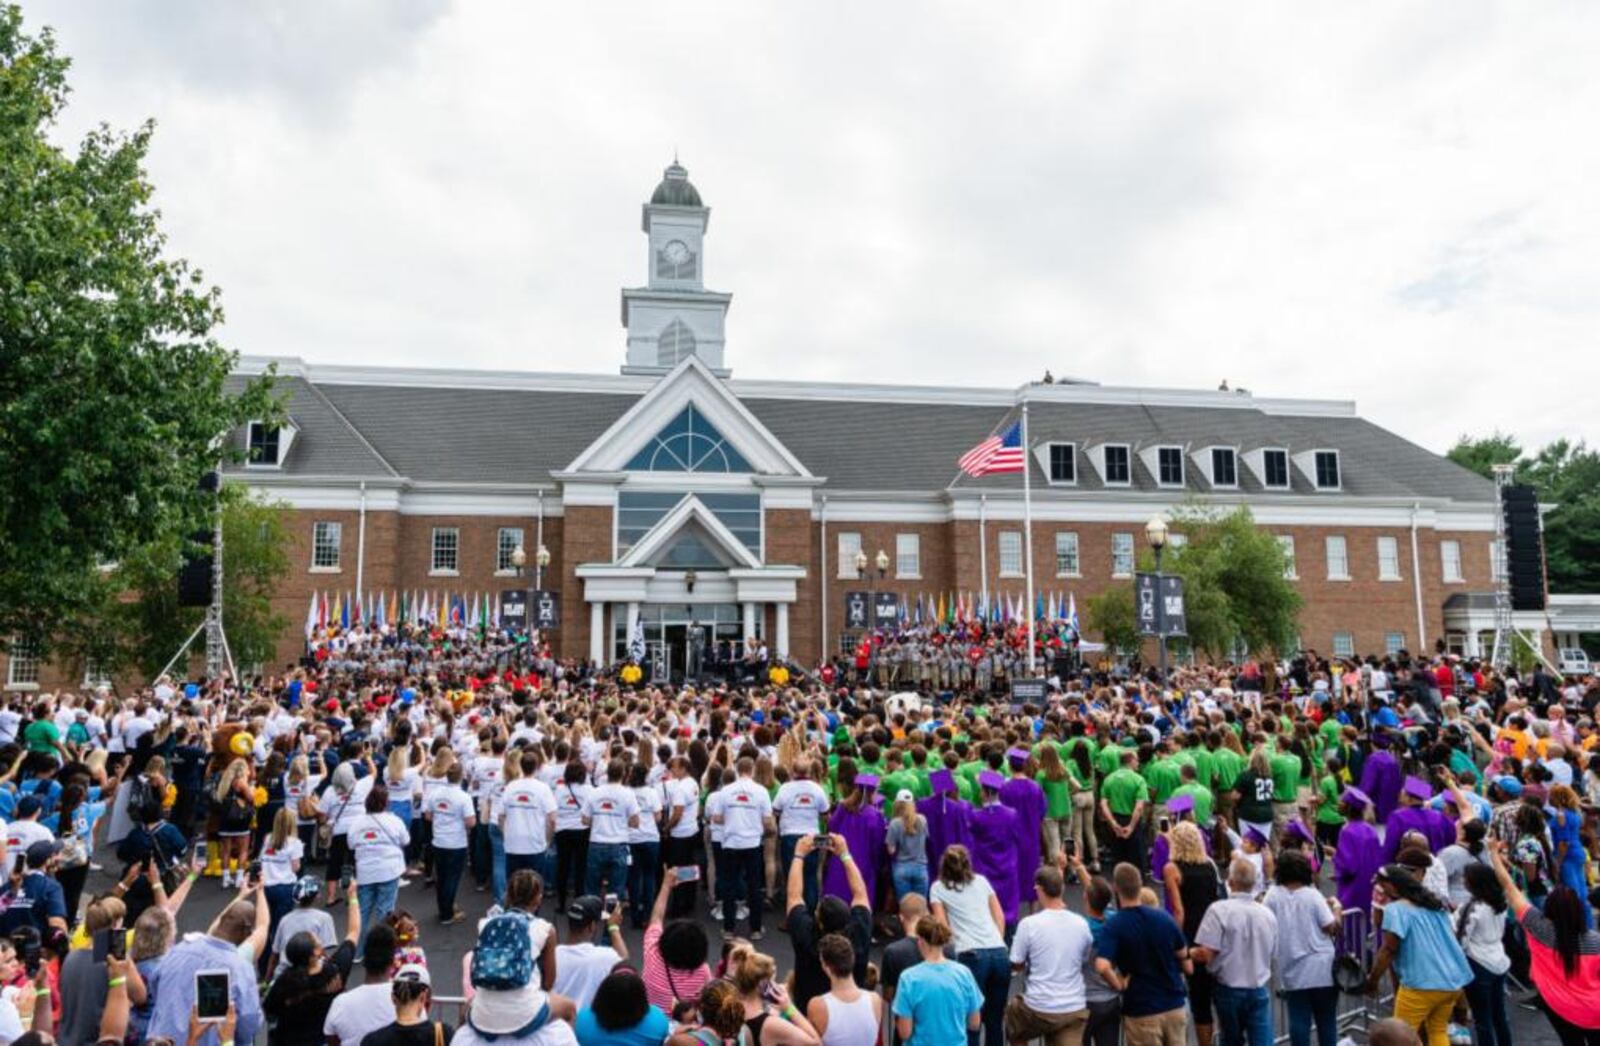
x,y
673,316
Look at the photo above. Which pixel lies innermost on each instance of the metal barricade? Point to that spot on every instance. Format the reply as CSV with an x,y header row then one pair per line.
x,y
1356,1012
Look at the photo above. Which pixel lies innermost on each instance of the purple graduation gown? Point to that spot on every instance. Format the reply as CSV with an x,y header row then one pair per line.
x,y
1355,861
863,831
1438,829
1026,797
948,825
995,829
1381,779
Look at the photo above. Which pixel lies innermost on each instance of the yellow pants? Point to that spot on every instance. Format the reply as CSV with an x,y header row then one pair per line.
x,y
1426,1011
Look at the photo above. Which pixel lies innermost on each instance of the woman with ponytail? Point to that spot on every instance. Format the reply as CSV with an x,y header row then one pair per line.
x,y
1420,944
936,1002
907,846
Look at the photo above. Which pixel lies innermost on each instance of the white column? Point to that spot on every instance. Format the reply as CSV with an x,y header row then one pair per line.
x,y
633,622
597,633
783,631
749,621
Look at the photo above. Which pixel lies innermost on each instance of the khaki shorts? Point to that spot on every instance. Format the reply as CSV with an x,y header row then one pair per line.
x,y
1158,1029
1024,1023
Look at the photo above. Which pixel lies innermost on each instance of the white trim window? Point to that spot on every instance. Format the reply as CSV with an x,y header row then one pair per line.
x,y
263,446
1286,542
1344,644
326,538
1338,558
1011,553
1067,564
95,677
1275,468
1325,465
908,556
848,543
1393,642
1062,461
1389,559
1169,466
22,666
1450,560
1118,458
1224,467
506,542
1122,554
446,548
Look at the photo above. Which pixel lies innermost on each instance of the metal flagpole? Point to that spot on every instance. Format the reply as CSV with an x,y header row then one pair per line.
x,y
983,550
1027,528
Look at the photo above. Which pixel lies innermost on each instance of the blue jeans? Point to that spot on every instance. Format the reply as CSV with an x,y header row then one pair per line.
x,y
1314,1006
642,880
1487,995
909,877
447,868
542,864
991,968
786,848
497,863
607,862
376,900
1244,1015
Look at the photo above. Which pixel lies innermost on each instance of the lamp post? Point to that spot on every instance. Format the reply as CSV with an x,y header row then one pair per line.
x,y
541,560
1155,532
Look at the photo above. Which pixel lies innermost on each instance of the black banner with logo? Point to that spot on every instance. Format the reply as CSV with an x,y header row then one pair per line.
x,y
546,609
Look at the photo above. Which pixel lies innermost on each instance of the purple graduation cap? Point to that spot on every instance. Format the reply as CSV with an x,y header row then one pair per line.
x,y
1380,739
1300,831
1018,757
1356,797
1180,804
988,779
943,782
1253,834
867,781
1416,786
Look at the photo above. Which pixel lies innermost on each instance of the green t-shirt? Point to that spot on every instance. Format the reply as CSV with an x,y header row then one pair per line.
x,y
1162,775
1328,792
1108,759
1229,765
1205,765
1057,796
41,735
1123,789
889,785
1203,800
1285,777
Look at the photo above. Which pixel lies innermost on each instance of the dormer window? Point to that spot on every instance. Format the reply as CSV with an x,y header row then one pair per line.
x,y
1327,469
1169,466
1118,470
1063,462
1275,468
1224,467
265,445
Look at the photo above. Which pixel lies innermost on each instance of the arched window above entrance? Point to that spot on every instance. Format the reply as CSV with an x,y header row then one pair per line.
x,y
689,443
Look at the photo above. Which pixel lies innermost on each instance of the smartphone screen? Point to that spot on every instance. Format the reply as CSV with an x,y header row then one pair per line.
x,y
211,988
689,874
117,944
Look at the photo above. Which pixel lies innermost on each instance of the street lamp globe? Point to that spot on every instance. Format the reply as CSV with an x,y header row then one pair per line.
x,y
883,561
861,563
543,556
1155,531
519,557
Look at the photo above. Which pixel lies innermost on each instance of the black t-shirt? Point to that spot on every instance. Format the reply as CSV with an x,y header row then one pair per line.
x,y
297,1004
398,1034
810,980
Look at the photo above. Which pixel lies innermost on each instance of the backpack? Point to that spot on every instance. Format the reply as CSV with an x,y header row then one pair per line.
x,y
503,959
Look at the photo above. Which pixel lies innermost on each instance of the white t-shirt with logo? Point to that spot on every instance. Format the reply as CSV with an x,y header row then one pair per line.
x,y
527,803
745,808
608,809
450,809
799,805
277,865
684,793
648,830
379,842
569,805
20,836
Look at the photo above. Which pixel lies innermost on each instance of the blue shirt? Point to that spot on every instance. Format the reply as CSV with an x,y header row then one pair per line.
x,y
651,1031
1144,944
1429,959
938,997
40,899
172,987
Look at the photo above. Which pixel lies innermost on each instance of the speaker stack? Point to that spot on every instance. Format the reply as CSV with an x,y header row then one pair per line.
x,y
195,577
1524,548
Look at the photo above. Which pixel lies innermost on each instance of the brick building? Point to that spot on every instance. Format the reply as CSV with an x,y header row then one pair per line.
x,y
672,492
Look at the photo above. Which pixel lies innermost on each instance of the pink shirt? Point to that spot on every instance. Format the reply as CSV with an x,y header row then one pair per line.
x,y
1575,998
665,987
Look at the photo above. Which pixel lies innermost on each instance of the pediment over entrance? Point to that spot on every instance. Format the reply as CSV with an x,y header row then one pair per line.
x,y
690,529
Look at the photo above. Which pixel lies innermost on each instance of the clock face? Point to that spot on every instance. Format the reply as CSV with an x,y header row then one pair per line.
x,y
676,252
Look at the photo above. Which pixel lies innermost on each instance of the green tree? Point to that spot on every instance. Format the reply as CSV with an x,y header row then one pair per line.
x,y
1566,476
112,399
1110,613
138,624
1234,586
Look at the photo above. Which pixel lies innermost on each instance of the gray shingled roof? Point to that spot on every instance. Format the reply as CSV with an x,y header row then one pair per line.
x,y
520,436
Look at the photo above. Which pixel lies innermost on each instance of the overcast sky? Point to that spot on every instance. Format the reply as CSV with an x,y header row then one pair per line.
x,y
1395,203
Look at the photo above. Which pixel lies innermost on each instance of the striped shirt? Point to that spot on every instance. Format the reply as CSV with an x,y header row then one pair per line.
x,y
665,987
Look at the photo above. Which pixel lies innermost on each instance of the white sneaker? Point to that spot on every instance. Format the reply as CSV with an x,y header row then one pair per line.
x,y
742,912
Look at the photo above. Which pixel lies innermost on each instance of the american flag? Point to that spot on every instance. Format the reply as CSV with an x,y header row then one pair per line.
x,y
1002,453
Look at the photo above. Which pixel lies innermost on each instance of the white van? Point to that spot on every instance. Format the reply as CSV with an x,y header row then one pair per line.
x,y
1573,661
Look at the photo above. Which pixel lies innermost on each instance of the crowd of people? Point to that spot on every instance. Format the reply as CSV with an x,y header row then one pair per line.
x,y
1121,861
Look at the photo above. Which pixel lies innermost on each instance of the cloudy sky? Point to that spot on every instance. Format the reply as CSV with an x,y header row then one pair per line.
x,y
1394,203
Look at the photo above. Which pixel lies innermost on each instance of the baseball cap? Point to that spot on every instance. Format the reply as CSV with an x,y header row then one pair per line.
x,y
904,796
1509,785
306,887
41,851
413,972
585,909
